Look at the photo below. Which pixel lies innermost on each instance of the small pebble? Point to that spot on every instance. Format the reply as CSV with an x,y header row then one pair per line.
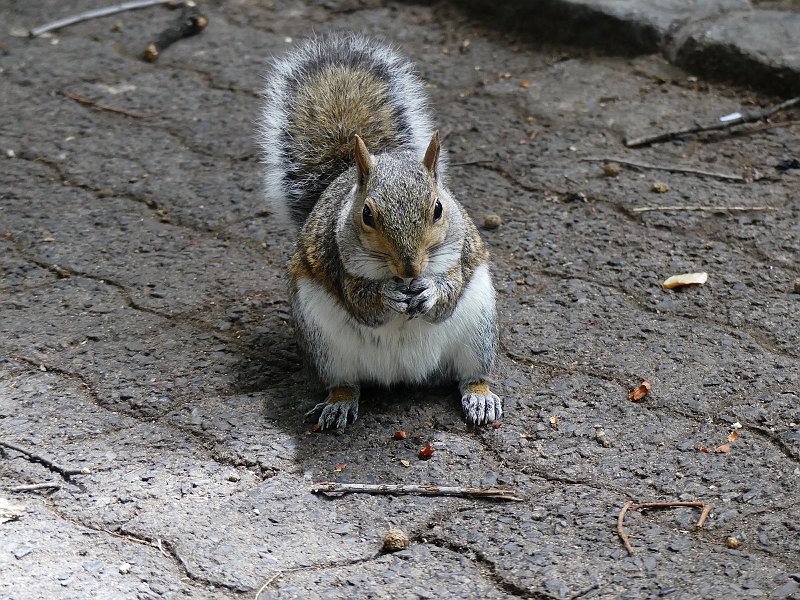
x,y
124,568
492,221
659,187
394,540
232,476
611,169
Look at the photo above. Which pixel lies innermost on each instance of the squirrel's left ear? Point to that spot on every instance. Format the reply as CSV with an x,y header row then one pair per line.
x,y
431,159
363,161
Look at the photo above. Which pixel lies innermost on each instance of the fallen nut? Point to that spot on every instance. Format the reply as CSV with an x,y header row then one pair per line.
x,y
394,540
732,543
659,187
492,221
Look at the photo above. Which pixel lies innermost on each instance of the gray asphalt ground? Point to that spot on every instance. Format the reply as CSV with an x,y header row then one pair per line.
x,y
146,334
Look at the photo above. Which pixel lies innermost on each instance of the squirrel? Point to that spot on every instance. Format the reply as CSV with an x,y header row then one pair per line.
x,y
389,279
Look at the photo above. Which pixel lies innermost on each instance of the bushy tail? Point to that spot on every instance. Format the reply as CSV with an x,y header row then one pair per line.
x,y
317,98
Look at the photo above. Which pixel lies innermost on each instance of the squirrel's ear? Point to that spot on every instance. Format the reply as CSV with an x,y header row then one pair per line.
x,y
363,161
431,159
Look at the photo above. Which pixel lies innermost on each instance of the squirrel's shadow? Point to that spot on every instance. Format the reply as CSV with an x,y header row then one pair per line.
x,y
273,362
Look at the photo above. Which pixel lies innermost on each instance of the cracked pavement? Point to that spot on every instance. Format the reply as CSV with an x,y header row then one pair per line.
x,y
147,334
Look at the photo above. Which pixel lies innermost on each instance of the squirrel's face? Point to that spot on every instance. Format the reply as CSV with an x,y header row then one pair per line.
x,y
402,216
401,222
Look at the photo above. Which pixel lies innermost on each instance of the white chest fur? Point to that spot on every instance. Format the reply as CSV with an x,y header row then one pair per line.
x,y
402,350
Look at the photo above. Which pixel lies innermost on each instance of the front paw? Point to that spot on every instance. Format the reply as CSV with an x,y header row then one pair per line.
x,y
395,296
339,410
422,297
480,405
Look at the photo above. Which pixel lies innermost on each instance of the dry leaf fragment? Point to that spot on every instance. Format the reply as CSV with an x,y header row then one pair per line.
x,y
426,452
639,392
722,449
554,422
524,84
496,424
733,435
340,467
400,435
405,463
684,279
316,427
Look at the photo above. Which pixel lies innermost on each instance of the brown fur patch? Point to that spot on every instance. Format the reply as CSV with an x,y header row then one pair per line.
x,y
331,107
480,388
341,394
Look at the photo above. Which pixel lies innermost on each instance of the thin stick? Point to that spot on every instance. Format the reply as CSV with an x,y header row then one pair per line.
x,y
704,515
425,490
98,106
645,505
766,126
671,169
189,23
56,468
745,118
94,14
719,209
35,486
266,583
620,531
467,163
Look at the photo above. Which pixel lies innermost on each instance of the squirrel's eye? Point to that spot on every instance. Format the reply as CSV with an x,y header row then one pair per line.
x,y
437,211
368,218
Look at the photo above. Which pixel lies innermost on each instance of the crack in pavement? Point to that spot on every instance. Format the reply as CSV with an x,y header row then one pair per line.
x,y
220,453
159,546
485,566
768,436
758,336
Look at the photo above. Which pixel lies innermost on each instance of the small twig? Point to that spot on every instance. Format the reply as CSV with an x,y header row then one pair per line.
x,y
267,582
189,23
645,505
620,531
94,14
672,169
765,127
745,118
704,515
31,487
493,493
716,209
467,163
56,468
98,106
